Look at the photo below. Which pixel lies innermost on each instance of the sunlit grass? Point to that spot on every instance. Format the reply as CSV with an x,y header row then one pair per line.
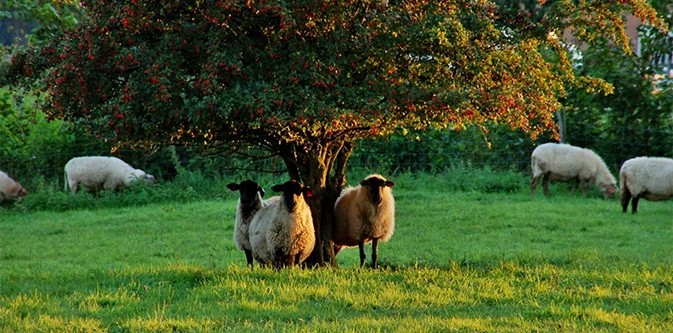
x,y
458,262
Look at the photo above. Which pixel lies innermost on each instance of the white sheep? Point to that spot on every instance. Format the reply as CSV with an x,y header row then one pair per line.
x,y
562,162
282,232
249,203
94,173
363,214
650,178
10,189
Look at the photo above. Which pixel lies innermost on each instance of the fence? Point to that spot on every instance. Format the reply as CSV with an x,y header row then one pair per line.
x,y
430,152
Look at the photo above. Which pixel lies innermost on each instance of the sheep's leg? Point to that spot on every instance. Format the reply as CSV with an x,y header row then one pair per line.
x,y
336,249
375,252
288,261
74,188
545,184
533,184
577,184
634,204
279,259
248,256
624,199
363,256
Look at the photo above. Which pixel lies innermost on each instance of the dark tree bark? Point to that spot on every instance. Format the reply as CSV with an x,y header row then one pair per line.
x,y
323,170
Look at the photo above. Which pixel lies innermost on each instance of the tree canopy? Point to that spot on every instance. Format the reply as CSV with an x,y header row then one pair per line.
x,y
217,71
304,80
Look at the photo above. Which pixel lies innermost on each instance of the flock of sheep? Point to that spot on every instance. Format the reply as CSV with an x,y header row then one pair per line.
x,y
90,173
279,231
650,178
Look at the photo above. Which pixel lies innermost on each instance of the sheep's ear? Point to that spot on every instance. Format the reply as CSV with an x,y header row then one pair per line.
x,y
307,191
261,191
278,188
233,187
389,184
364,182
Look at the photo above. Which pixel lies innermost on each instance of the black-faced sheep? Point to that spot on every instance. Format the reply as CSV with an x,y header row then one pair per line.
x,y
363,214
650,178
93,173
562,162
249,203
281,232
10,190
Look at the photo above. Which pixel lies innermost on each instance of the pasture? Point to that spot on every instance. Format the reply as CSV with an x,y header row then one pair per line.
x,y
481,259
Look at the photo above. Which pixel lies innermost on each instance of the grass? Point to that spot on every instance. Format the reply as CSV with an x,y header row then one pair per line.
x,y
475,260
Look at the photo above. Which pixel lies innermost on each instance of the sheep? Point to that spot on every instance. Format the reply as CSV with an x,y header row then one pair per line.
x,y
562,162
10,190
650,178
94,173
248,204
363,214
282,232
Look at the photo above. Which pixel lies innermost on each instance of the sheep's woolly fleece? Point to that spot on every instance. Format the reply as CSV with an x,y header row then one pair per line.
x,y
94,173
10,189
357,219
563,162
249,202
282,235
650,178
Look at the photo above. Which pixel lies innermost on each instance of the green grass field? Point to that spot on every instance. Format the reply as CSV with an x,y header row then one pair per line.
x,y
459,261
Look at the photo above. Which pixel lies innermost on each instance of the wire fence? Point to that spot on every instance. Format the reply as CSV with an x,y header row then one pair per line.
x,y
510,152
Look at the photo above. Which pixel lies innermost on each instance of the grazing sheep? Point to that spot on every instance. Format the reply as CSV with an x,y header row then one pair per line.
x,y
281,232
562,162
94,173
10,190
364,214
248,204
650,178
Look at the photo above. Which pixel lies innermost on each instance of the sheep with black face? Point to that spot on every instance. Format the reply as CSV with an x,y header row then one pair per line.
x,y
249,203
281,232
363,214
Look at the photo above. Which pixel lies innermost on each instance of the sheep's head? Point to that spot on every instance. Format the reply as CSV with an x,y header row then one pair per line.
x,y
15,192
141,175
149,179
609,191
249,190
22,192
375,185
292,191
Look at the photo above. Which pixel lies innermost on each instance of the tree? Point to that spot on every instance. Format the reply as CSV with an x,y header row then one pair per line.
x,y
635,120
305,80
21,20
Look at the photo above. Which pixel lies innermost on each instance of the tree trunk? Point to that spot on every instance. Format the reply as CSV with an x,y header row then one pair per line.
x,y
323,170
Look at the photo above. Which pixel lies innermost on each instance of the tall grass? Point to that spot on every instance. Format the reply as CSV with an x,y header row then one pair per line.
x,y
463,259
191,186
